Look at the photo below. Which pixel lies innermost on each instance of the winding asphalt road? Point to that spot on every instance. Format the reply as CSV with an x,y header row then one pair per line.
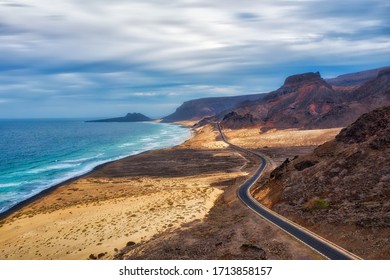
x,y
314,241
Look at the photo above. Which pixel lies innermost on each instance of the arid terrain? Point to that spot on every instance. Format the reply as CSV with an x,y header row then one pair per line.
x,y
341,189
306,101
278,145
181,203
303,101
252,138
177,203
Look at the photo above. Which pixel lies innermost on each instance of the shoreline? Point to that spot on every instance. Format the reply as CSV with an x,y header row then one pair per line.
x,y
49,190
121,202
22,204
172,203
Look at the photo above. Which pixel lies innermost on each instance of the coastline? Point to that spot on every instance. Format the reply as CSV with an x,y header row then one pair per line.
x,y
49,190
26,216
20,205
173,203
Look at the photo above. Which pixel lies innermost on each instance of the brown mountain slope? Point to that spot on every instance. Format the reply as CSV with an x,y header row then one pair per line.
x,y
342,189
304,101
307,101
297,104
355,79
369,96
205,107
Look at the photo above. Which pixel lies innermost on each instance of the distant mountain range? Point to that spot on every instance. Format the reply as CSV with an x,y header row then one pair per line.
x,y
354,79
200,108
130,117
305,101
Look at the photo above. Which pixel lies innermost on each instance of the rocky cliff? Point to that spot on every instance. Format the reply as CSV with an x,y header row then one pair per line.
x,y
207,107
307,101
342,189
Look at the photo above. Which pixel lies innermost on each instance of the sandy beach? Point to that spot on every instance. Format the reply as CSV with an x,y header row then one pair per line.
x,y
176,203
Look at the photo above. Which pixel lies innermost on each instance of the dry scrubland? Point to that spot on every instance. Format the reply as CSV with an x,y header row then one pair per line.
x,y
253,138
341,190
278,145
177,203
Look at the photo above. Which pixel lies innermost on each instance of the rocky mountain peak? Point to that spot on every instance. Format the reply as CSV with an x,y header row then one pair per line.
x,y
303,78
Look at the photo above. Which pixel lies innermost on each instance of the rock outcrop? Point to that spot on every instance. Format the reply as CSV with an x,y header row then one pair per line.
x,y
236,121
342,189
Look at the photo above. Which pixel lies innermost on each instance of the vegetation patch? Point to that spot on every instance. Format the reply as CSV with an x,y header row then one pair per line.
x,y
317,203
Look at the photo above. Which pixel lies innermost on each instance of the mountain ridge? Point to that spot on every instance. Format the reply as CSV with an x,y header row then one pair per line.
x,y
215,108
197,109
130,117
355,79
307,101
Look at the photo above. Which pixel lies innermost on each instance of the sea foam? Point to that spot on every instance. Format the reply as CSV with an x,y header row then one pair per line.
x,y
29,165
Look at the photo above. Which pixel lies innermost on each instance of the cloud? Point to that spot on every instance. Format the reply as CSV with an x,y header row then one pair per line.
x,y
99,49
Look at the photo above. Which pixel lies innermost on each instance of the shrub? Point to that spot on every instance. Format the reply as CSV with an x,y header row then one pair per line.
x,y
321,203
317,203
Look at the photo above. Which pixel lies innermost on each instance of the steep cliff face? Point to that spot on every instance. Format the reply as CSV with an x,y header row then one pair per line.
x,y
297,104
300,101
307,101
293,82
342,189
207,107
369,96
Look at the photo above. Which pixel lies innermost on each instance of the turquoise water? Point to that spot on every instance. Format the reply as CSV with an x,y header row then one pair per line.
x,y
37,154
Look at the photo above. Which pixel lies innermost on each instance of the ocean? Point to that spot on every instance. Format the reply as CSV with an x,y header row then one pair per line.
x,y
38,154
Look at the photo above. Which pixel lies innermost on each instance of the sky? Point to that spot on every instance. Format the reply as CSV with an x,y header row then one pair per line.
x,y
97,58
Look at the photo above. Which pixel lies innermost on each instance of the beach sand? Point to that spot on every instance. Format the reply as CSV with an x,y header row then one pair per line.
x,y
176,203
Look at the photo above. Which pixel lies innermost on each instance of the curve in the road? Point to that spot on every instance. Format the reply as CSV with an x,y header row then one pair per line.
x,y
316,242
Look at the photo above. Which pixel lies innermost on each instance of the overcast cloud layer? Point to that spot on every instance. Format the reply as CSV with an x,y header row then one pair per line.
x,y
105,58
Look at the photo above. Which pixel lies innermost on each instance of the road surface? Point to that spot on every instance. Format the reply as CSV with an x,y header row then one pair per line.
x,y
314,241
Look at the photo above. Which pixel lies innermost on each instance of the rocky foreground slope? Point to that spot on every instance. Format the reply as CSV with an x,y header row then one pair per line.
x,y
342,189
